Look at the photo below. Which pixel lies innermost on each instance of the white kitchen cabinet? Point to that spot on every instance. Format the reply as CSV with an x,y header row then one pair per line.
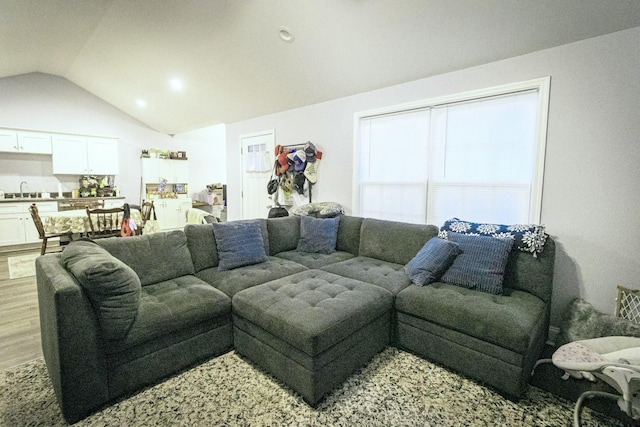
x,y
12,141
34,142
174,171
172,213
8,140
16,224
81,155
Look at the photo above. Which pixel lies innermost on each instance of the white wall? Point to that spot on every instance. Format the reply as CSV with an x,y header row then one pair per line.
x,y
207,153
44,102
590,196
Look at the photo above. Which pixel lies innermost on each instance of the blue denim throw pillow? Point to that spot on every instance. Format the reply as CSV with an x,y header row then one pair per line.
x,y
431,261
480,264
239,243
318,235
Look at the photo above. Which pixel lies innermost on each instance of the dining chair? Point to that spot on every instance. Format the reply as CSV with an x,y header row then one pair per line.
x,y
105,222
65,237
146,210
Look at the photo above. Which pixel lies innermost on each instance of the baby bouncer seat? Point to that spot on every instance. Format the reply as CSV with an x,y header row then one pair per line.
x,y
614,359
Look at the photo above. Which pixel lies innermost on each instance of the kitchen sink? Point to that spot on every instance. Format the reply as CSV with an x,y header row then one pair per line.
x,y
14,196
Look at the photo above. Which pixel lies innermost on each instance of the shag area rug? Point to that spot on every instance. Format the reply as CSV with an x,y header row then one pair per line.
x,y
22,266
395,389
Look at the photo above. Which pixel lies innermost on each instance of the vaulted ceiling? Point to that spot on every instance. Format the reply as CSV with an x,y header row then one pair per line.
x,y
179,65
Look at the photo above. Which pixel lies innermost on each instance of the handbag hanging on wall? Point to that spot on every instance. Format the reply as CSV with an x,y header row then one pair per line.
x,y
272,185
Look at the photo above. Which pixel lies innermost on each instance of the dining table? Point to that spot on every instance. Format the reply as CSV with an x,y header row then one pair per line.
x,y
77,221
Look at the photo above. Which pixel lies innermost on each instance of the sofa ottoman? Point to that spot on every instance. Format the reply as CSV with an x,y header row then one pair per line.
x,y
313,329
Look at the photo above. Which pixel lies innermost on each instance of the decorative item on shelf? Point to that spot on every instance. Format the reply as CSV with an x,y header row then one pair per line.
x,y
215,194
162,186
144,154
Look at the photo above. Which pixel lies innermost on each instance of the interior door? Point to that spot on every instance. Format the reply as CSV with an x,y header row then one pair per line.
x,y
257,163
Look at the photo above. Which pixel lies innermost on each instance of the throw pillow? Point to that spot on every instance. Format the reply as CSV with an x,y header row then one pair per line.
x,y
431,261
480,264
318,235
239,243
112,286
527,237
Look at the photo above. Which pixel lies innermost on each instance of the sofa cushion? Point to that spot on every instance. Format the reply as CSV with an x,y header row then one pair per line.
x,y
239,243
284,234
349,234
318,235
232,281
314,259
170,306
387,275
112,287
480,264
202,245
391,241
154,257
431,261
527,237
509,321
532,274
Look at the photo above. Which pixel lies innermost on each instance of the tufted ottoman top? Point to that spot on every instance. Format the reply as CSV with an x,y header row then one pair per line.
x,y
312,310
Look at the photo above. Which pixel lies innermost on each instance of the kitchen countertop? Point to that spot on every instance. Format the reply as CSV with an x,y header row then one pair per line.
x,y
55,199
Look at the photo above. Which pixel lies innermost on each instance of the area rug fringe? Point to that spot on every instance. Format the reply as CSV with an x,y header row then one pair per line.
x,y
395,389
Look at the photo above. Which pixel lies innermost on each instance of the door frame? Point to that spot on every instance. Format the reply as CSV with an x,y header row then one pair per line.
x,y
271,147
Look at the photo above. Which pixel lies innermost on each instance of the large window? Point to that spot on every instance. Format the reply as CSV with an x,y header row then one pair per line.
x,y
477,156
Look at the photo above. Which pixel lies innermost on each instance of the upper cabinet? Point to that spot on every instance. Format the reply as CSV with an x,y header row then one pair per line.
x,y
174,171
83,155
12,141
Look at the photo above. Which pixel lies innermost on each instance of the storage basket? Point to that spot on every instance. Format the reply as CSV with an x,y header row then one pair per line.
x,y
628,304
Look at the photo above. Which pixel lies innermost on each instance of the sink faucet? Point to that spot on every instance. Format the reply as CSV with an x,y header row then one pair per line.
x,y
25,183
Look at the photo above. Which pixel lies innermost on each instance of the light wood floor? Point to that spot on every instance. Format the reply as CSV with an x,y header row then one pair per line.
x,y
19,320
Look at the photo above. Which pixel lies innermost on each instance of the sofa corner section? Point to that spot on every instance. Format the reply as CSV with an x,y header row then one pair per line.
x,y
70,340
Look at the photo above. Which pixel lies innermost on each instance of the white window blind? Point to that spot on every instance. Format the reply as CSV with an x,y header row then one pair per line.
x,y
393,171
476,158
483,159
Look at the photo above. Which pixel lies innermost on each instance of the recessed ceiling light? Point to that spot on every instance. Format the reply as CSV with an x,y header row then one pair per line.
x,y
286,34
141,103
176,83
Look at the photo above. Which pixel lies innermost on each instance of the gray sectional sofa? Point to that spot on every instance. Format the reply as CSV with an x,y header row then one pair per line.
x,y
122,313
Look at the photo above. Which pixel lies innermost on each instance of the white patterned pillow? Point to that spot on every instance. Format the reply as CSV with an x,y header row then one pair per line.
x,y
319,209
527,237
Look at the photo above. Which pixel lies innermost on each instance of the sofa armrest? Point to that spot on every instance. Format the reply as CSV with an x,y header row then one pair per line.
x,y
70,340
